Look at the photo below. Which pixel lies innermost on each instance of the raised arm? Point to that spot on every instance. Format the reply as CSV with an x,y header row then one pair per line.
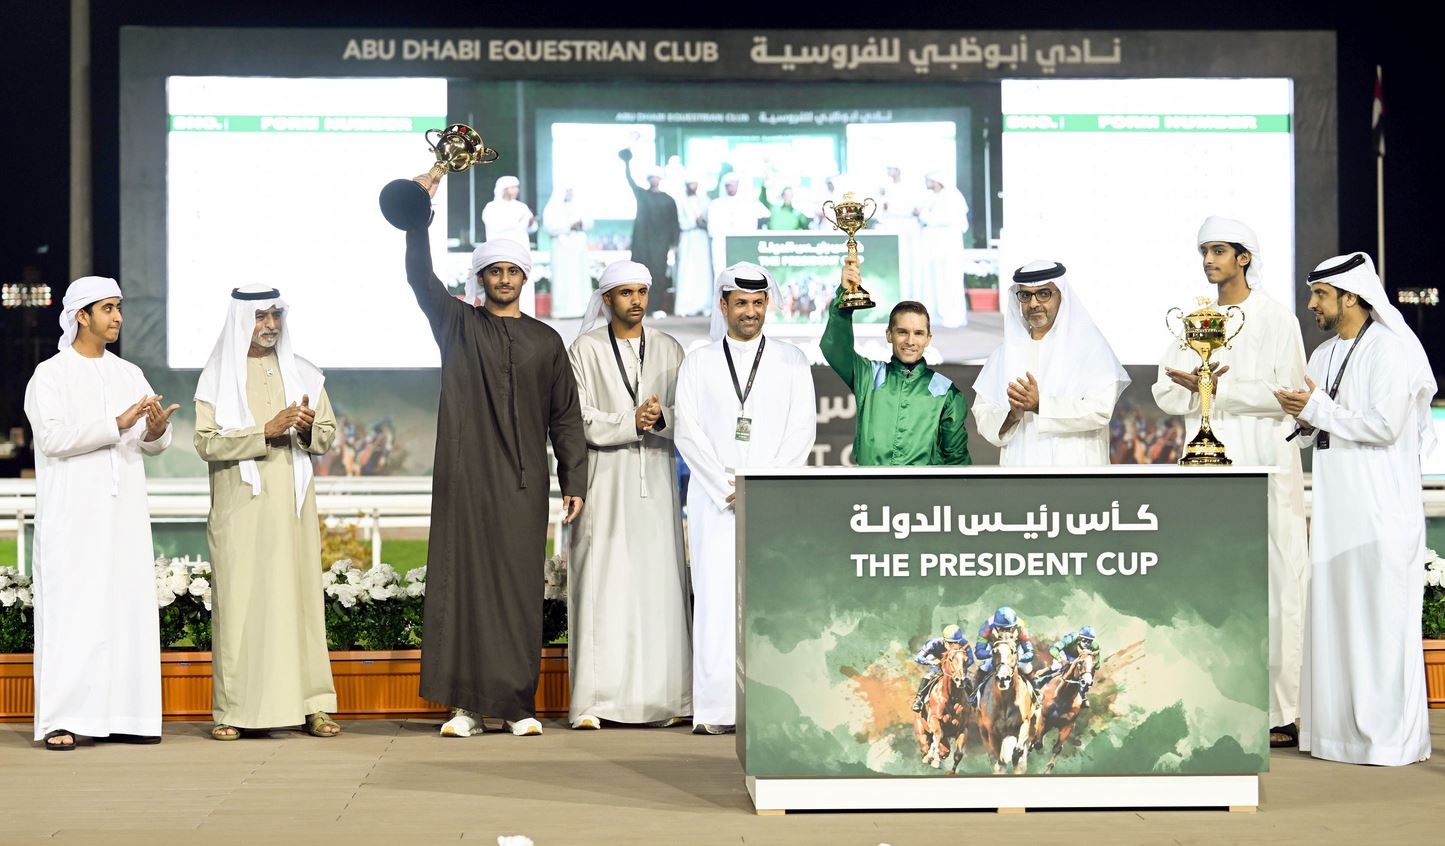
x,y
438,305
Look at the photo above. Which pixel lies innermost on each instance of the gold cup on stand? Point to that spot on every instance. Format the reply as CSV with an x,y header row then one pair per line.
x,y
406,203
849,216
1204,332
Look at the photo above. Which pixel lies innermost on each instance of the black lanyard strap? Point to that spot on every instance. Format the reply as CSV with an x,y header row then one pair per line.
x,y
1335,388
757,359
621,368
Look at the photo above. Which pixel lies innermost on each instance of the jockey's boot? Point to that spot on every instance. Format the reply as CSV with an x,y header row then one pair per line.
x,y
922,694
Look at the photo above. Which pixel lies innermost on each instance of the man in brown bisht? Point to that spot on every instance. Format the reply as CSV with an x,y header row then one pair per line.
x,y
507,386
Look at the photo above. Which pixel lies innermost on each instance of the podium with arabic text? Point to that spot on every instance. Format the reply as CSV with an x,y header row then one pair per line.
x,y
849,577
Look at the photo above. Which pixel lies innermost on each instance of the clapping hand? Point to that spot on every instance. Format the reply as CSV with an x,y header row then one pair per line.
x,y
648,414
158,418
132,415
1190,379
1023,394
1294,402
305,416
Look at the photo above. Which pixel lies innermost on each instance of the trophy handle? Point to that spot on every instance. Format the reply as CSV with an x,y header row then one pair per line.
x,y
866,203
1233,310
1178,313
833,219
488,155
430,143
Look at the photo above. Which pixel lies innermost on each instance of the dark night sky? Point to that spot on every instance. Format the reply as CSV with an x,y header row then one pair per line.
x,y
34,82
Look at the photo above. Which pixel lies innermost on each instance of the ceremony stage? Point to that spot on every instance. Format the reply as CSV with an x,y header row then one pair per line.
x,y
389,782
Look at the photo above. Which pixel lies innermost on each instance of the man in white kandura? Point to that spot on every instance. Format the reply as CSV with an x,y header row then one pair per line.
x,y
1046,395
566,223
629,625
1365,408
742,401
694,255
261,413
507,218
97,632
1267,354
943,214
734,212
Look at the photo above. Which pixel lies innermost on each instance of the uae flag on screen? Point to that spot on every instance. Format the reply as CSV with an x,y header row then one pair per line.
x,y
1377,115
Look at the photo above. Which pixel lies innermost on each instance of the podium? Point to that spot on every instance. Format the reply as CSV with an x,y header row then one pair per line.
x,y
845,575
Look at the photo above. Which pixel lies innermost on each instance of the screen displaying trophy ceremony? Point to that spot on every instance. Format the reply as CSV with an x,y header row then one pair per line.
x,y
969,157
1111,177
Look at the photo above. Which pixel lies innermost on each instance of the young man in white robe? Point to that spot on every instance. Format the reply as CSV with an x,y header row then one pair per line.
x,y
1365,408
694,275
629,622
1046,395
566,223
943,214
97,630
734,212
742,401
507,218
1268,354
261,413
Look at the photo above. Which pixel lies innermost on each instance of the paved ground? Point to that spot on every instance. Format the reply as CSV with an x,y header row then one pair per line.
x,y
394,783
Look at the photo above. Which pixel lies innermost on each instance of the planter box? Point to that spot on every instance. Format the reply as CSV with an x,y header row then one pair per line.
x,y
1435,672
369,685
982,299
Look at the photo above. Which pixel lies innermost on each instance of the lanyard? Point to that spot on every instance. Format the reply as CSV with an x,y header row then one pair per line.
x,y
757,359
1335,388
641,357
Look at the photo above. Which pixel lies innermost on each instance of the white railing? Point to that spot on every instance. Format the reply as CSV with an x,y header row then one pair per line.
x,y
376,502
373,502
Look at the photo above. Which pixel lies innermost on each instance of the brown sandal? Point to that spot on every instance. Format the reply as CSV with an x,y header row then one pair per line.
x,y
320,724
221,731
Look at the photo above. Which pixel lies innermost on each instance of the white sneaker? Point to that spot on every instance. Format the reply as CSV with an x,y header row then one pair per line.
x,y
587,721
463,723
525,728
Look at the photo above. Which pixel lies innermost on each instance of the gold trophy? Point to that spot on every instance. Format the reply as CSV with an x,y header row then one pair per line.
x,y
848,217
1204,333
406,203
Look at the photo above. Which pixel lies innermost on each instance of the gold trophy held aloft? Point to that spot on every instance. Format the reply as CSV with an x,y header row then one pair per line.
x,y
1204,333
406,203
848,216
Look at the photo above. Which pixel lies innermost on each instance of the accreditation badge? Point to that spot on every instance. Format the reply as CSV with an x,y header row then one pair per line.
x,y
744,431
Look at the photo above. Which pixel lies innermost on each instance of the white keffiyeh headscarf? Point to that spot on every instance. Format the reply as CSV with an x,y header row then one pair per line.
x,y
489,253
1075,357
617,274
1234,232
81,293
223,381
1355,272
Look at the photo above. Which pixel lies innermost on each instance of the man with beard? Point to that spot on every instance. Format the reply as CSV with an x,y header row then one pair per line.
x,y
628,619
1046,395
742,401
261,413
506,387
1365,408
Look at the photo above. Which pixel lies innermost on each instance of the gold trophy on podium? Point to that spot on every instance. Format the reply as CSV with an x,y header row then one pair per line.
x,y
406,203
1204,331
848,216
